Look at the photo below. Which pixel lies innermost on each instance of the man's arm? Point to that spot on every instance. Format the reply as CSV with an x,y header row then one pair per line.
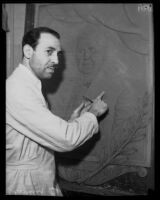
x,y
30,117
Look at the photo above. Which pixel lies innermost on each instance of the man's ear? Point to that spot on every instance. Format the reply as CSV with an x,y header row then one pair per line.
x,y
28,51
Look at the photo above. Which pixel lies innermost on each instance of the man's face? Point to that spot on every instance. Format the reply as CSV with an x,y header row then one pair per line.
x,y
45,56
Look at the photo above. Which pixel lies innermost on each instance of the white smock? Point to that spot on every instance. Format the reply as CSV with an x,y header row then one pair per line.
x,y
33,133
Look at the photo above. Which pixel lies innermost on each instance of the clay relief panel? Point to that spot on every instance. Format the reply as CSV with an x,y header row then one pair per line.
x,y
111,55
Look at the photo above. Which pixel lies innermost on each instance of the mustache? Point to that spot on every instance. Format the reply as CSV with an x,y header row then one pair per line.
x,y
52,65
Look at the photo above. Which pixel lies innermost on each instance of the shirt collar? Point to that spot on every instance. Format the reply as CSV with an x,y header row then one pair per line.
x,y
30,75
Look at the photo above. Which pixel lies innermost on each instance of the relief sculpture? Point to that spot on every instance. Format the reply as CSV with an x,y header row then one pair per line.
x,y
102,54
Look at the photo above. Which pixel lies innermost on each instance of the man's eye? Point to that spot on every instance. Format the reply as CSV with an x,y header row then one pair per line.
x,y
49,52
60,53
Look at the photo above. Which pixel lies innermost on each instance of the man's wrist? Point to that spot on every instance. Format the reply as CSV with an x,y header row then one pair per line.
x,y
93,112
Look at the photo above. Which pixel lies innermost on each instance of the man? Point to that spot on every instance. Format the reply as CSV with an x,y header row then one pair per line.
x,y
31,129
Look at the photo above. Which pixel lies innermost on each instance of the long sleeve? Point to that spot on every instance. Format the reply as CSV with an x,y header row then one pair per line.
x,y
27,113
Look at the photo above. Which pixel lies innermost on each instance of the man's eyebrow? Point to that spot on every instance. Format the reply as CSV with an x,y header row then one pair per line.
x,y
52,48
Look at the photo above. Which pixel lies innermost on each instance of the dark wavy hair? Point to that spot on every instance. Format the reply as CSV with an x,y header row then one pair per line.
x,y
32,36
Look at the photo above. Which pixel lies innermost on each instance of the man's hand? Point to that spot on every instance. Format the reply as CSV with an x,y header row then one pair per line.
x,y
98,107
77,112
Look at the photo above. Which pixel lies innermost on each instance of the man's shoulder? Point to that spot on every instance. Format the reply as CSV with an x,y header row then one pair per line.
x,y
17,90
13,80
17,76
16,83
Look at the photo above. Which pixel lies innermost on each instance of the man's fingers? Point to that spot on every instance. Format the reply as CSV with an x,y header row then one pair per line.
x,y
100,96
80,107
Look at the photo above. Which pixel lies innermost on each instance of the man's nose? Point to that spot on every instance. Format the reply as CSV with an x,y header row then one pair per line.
x,y
54,58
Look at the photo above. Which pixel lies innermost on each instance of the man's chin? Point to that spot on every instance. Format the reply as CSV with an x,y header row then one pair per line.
x,y
48,76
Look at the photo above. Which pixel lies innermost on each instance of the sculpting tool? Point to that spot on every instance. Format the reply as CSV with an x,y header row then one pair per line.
x,y
87,99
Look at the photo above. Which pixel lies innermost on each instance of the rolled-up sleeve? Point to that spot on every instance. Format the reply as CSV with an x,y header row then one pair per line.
x,y
28,115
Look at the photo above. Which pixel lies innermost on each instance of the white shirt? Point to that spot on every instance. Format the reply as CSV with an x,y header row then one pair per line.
x,y
32,130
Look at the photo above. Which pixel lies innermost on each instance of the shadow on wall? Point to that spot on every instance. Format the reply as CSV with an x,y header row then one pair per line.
x,y
52,85
81,152
78,155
